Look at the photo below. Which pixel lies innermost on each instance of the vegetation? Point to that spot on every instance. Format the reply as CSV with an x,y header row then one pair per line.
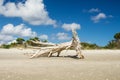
x,y
29,41
34,39
111,45
13,44
20,42
45,41
89,46
117,36
114,44
6,46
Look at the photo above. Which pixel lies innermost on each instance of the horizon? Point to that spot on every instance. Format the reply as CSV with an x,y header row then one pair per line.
x,y
95,21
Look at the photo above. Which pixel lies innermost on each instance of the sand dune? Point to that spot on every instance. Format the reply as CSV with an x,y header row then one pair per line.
x,y
97,65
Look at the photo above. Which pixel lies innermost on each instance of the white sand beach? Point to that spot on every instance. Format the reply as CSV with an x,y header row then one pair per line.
x,y
97,65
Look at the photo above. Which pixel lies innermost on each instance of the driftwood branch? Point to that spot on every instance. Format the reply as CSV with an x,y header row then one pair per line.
x,y
43,43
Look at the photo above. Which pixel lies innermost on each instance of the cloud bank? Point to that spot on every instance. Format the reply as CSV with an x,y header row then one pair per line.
x,y
9,32
32,11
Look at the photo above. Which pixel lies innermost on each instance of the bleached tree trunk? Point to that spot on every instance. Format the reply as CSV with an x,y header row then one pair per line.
x,y
50,51
75,43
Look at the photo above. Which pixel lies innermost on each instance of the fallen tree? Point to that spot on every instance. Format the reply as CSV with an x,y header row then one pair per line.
x,y
47,52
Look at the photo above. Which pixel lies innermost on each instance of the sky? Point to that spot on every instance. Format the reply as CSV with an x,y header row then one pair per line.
x,y
96,21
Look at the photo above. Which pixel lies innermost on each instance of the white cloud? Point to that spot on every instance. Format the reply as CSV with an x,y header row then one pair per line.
x,y
5,38
19,30
43,37
98,17
13,41
1,2
71,26
9,32
94,10
32,11
62,36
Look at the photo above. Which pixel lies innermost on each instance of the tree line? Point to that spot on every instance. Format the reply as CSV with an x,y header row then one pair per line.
x,y
20,42
113,44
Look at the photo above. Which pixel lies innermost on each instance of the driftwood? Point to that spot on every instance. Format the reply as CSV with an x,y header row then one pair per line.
x,y
42,43
47,52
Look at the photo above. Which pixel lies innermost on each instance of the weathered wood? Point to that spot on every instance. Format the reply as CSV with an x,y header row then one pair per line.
x,y
50,51
42,43
75,43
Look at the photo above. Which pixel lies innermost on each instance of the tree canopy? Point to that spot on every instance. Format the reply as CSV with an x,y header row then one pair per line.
x,y
114,44
35,39
117,36
20,40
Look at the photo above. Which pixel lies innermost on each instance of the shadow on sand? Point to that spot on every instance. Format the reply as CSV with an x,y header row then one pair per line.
x,y
69,56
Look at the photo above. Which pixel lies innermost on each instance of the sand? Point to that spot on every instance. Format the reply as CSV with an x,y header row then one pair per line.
x,y
97,65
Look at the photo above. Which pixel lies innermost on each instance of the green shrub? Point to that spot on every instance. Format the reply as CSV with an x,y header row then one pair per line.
x,y
6,46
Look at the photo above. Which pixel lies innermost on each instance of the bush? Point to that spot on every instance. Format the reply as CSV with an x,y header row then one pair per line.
x,y
6,46
89,46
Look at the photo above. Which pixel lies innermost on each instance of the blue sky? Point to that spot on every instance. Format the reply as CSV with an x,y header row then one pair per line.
x,y
96,21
